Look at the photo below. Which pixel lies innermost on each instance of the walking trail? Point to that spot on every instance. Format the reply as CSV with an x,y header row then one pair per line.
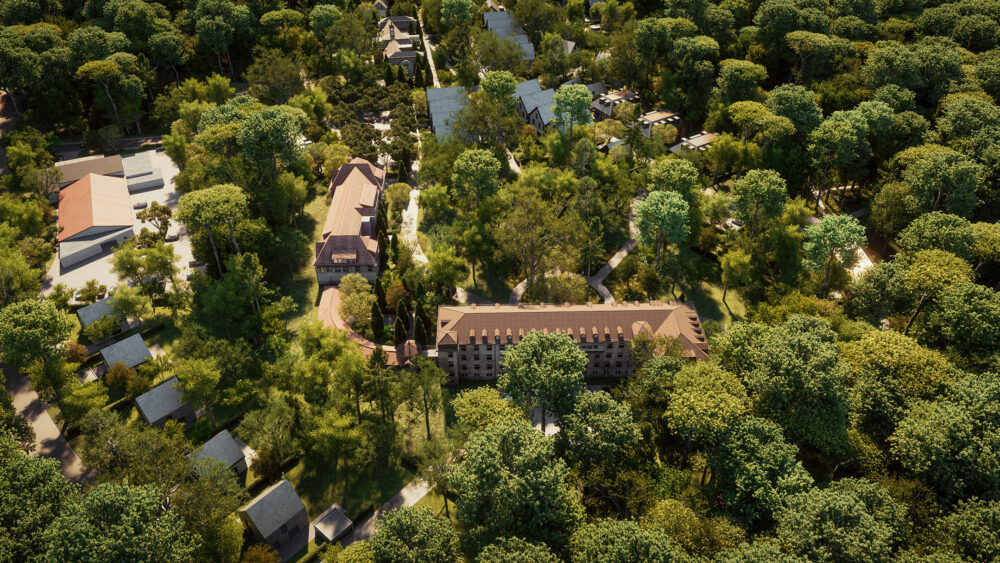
x,y
49,442
427,47
596,281
408,496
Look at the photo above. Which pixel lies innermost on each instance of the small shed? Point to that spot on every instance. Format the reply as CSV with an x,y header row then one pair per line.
x,y
277,515
333,524
223,448
92,313
164,402
132,351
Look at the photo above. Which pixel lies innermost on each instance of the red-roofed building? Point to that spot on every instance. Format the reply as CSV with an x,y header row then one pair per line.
x,y
349,241
94,217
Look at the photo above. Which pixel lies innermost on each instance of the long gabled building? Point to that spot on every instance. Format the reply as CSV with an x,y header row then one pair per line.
x,y
349,241
470,338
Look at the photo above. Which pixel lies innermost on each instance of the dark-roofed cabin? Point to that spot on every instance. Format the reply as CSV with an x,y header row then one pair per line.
x,y
162,403
131,351
277,515
225,449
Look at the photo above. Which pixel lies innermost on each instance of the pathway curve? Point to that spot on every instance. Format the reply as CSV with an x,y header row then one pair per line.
x,y
427,48
408,496
49,442
596,281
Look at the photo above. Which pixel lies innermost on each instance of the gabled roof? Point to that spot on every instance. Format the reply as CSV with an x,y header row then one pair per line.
x,y
94,201
541,101
658,115
442,105
89,314
221,447
273,508
527,87
73,170
504,26
349,233
132,351
160,401
677,320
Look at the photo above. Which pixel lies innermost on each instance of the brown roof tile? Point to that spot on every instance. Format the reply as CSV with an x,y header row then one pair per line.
x,y
346,237
93,201
456,324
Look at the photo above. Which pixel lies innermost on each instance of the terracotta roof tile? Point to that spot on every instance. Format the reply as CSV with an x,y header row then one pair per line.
x,y
93,201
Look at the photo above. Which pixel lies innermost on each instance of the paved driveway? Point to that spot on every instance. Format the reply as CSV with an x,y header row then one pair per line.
x,y
49,442
99,268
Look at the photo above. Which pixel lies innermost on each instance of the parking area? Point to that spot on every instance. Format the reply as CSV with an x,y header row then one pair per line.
x,y
99,267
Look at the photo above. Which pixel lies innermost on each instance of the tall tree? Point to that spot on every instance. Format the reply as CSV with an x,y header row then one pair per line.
x,y
118,522
760,194
927,274
414,534
198,382
511,484
598,431
755,471
476,175
212,209
662,218
571,106
547,368
32,330
422,388
836,238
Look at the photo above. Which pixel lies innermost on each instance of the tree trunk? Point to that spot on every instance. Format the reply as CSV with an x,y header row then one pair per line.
x,y
913,317
357,404
114,107
177,75
13,100
218,57
215,250
937,200
753,221
826,276
427,417
725,290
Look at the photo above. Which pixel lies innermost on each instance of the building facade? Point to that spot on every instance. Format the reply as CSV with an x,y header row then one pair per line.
x,y
350,241
471,338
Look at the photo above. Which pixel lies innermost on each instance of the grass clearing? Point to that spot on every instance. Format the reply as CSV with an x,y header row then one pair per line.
x,y
302,285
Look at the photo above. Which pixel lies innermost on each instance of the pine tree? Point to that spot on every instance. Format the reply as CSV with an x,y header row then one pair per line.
x,y
402,313
389,76
418,78
394,246
420,333
378,321
378,289
428,76
420,313
383,258
399,331
401,74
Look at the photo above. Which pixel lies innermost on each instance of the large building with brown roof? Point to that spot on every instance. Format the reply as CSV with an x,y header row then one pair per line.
x,y
349,242
94,217
470,338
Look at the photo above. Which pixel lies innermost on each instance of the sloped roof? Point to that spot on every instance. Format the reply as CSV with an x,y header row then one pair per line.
x,y
94,201
160,401
541,101
132,351
504,25
73,170
274,507
677,320
658,115
89,314
527,87
442,105
221,447
355,191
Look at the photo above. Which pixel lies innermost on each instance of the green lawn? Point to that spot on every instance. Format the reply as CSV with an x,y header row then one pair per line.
x,y
707,299
358,488
302,285
488,285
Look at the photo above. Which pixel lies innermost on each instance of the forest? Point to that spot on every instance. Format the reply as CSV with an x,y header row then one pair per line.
x,y
838,235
